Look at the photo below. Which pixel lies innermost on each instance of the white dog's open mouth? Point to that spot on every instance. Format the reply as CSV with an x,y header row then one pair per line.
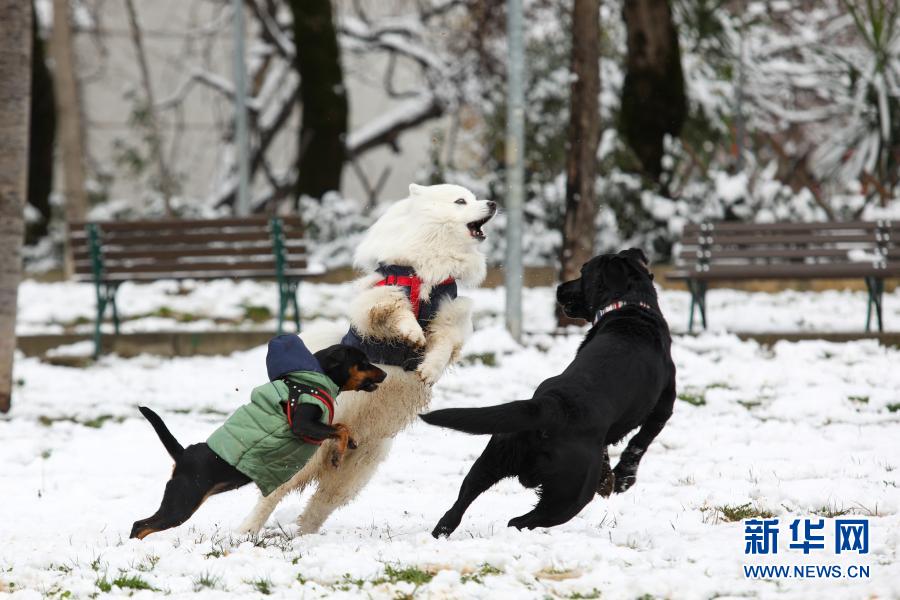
x,y
475,227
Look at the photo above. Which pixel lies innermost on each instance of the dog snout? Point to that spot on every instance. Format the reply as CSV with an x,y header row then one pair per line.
x,y
492,206
378,375
565,290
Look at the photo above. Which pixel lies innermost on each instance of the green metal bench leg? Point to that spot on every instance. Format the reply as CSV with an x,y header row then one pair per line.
x,y
875,287
295,302
106,296
287,298
282,307
698,300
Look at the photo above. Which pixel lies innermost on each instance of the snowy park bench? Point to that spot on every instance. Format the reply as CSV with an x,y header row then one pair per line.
x,y
712,252
110,253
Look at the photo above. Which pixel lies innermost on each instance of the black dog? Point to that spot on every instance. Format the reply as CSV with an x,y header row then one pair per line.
x,y
200,473
621,378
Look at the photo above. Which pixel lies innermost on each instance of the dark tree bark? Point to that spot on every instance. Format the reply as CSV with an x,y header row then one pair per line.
x,y
322,96
653,97
42,136
583,138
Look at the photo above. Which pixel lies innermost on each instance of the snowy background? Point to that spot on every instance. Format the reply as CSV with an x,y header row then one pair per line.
x,y
797,430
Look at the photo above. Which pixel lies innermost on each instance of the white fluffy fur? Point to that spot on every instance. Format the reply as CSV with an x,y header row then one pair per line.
x,y
428,232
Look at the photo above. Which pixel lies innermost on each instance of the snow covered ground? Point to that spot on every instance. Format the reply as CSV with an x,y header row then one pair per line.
x,y
204,306
799,430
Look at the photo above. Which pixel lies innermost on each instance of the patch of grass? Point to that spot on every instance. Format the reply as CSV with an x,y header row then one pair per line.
x,y
693,398
749,404
148,564
484,570
731,513
132,582
263,585
740,512
488,359
858,399
206,580
893,407
591,595
830,512
94,423
103,585
413,575
719,385
167,313
257,314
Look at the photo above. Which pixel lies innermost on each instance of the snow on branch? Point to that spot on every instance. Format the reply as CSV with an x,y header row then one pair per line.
x,y
387,128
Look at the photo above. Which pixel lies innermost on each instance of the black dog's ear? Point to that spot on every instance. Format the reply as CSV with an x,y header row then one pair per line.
x,y
331,358
637,254
615,276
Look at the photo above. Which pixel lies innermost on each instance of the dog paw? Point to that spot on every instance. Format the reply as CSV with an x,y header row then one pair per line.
x,y
607,485
623,481
429,373
445,527
520,523
412,334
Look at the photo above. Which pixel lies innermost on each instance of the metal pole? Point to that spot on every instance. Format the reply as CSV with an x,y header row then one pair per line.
x,y
740,131
515,146
242,202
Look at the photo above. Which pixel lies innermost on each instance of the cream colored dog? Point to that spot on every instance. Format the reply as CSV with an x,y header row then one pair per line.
x,y
431,239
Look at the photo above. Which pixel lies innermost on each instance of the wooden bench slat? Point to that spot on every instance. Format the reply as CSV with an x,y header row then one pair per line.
x,y
185,224
781,271
780,239
761,253
292,247
754,228
205,275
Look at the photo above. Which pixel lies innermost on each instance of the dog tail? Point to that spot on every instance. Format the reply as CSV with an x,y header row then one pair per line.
x,y
165,436
512,417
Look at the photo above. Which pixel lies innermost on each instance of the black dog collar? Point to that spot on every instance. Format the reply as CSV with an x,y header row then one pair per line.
x,y
616,306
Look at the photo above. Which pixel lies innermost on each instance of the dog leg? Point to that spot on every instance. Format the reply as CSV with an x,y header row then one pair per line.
x,y
181,499
625,472
199,473
493,465
562,496
343,442
337,487
446,335
266,505
607,477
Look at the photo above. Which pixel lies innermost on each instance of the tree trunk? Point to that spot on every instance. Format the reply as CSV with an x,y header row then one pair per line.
x,y
42,137
68,108
323,98
15,89
583,138
653,97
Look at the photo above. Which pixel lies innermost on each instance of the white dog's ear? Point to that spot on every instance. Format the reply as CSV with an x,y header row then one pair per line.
x,y
415,190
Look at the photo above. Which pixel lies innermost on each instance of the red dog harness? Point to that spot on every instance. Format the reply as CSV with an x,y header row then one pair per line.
x,y
414,283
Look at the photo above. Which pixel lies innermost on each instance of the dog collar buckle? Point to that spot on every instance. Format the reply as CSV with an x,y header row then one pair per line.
x,y
616,306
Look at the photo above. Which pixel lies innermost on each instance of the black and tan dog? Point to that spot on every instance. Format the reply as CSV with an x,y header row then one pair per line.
x,y
622,378
200,473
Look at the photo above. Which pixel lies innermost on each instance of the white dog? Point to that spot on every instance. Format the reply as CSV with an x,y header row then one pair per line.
x,y
409,320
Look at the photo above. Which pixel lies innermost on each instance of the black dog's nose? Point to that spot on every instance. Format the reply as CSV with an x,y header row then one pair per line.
x,y
493,206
